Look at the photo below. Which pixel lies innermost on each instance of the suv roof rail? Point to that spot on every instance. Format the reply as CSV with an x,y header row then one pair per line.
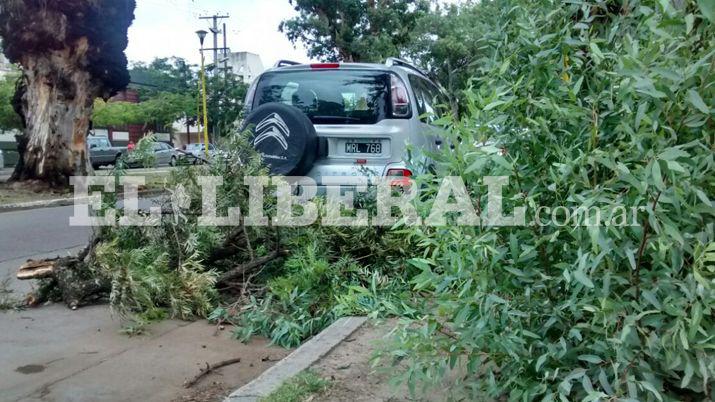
x,y
394,61
283,63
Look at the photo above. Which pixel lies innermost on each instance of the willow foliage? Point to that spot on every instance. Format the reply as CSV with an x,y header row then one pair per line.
x,y
594,103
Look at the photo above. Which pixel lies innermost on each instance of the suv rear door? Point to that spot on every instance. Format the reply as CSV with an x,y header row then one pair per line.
x,y
351,110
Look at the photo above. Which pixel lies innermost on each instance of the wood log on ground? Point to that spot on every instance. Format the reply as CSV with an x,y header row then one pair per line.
x,y
37,269
68,278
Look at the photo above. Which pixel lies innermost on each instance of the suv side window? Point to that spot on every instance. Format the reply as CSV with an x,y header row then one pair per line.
x,y
428,98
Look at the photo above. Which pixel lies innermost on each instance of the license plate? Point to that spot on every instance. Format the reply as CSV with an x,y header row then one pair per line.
x,y
363,148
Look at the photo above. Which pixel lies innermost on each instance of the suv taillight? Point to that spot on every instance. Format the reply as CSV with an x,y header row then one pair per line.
x,y
399,173
400,98
399,177
325,65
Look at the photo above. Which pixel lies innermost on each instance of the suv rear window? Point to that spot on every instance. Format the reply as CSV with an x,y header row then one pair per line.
x,y
329,96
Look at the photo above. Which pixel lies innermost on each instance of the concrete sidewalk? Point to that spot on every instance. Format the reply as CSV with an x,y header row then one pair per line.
x,y
55,354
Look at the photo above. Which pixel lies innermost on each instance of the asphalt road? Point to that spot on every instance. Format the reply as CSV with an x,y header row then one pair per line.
x,y
39,233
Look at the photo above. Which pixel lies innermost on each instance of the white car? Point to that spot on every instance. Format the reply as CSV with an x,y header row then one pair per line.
x,y
197,151
2,160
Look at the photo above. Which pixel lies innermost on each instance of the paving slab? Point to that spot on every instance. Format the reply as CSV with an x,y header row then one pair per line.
x,y
56,354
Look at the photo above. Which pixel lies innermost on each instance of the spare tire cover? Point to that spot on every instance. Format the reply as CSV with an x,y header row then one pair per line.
x,y
284,136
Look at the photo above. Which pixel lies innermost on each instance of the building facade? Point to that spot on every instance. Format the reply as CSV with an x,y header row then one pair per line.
x,y
245,65
5,66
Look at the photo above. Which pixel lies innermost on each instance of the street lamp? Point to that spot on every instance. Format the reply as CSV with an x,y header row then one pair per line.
x,y
202,35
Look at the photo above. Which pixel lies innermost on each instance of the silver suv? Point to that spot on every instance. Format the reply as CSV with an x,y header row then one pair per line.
x,y
363,115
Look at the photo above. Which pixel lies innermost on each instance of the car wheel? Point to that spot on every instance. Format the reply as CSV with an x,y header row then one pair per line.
x,y
172,162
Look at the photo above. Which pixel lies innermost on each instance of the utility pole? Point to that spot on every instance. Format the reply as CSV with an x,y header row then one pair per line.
x,y
215,31
225,53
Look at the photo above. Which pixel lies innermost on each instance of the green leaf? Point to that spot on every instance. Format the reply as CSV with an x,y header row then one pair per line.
x,y
650,297
651,388
580,276
640,113
689,371
689,21
591,359
596,52
658,176
631,258
420,263
672,153
695,99
707,7
540,361
494,104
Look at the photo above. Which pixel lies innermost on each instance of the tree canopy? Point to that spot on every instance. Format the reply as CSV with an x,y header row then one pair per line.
x,y
9,119
354,30
168,91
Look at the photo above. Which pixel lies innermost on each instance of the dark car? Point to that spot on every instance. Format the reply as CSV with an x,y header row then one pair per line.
x,y
101,152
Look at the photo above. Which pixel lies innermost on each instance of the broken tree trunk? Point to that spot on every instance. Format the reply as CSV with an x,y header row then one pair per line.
x,y
57,106
68,279
71,52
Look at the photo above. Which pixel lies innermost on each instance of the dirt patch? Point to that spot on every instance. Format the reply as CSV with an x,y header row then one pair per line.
x,y
214,392
12,193
352,377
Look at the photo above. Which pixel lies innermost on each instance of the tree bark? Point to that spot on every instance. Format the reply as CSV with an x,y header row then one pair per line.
x,y
57,107
71,52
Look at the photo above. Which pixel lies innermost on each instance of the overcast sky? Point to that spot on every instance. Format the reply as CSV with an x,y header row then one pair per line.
x,y
165,28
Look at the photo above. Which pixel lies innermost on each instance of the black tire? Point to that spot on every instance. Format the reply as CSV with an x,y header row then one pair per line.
x,y
172,162
285,137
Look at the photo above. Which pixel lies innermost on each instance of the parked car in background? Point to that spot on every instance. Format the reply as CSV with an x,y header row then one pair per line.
x,y
200,148
101,152
164,155
2,160
196,152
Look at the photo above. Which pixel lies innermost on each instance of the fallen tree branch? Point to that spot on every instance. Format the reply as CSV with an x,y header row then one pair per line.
x,y
210,368
71,276
229,247
34,269
641,248
251,265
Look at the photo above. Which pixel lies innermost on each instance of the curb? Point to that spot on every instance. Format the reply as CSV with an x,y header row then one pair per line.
x,y
61,202
301,358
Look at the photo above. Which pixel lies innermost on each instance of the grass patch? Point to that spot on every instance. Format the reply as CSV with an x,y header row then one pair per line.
x,y
298,388
14,195
8,301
